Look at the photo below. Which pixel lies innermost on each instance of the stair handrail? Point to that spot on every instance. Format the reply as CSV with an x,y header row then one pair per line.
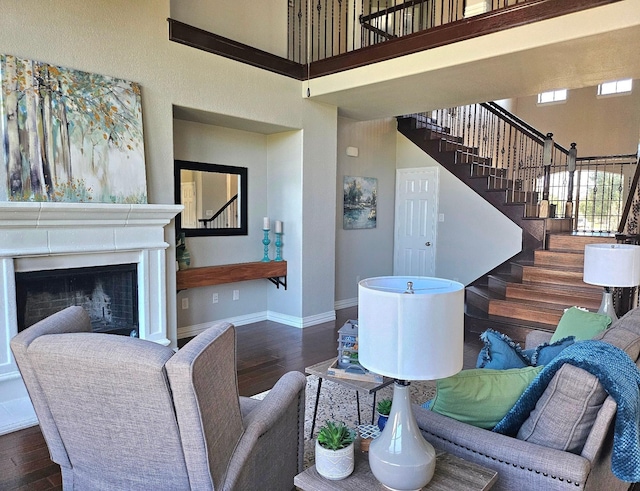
x,y
223,208
525,127
497,139
632,198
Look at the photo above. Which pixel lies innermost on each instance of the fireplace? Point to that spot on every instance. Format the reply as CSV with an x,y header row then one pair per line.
x,y
109,294
40,241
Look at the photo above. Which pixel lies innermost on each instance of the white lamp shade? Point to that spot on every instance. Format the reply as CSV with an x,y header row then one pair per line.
x,y
416,336
614,265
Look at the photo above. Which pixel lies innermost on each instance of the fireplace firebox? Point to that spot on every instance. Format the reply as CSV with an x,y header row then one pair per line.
x,y
108,294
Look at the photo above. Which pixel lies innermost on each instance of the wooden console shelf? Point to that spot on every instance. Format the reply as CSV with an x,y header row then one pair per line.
x,y
275,271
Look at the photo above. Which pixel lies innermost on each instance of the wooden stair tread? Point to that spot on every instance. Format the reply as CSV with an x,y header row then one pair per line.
x,y
575,242
564,300
541,312
552,288
555,269
558,275
558,258
477,322
533,304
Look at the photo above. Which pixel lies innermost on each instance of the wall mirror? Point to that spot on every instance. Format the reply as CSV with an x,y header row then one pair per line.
x,y
214,199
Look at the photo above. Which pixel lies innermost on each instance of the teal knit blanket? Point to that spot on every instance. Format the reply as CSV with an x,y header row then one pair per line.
x,y
618,375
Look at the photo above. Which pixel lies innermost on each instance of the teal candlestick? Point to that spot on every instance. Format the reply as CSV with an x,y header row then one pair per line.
x,y
278,246
266,243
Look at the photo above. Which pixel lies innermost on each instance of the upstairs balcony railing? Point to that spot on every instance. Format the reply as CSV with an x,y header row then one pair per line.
x,y
516,157
319,29
330,36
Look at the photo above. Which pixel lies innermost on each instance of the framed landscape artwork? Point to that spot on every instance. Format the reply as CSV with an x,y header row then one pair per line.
x,y
360,202
69,136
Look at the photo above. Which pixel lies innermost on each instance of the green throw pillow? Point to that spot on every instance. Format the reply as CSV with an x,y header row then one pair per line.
x,y
481,396
581,324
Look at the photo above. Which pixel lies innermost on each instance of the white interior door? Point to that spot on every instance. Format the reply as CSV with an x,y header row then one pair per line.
x,y
416,222
188,193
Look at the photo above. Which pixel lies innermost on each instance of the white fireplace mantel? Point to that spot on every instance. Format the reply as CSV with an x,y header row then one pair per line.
x,y
45,236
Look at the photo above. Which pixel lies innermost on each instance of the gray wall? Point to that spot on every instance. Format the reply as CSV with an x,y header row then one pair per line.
x,y
473,239
129,40
368,252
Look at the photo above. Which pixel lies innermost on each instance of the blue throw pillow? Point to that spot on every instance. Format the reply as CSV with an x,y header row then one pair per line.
x,y
500,352
544,353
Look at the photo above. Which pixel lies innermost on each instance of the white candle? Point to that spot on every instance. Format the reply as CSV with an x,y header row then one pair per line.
x,y
278,227
266,224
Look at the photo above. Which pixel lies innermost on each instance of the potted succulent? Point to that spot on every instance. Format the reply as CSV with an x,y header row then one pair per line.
x,y
384,409
335,451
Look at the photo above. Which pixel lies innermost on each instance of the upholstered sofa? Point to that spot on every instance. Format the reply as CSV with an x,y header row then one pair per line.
x,y
524,465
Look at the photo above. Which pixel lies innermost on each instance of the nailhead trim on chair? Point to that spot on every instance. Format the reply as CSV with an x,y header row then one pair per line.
x,y
545,474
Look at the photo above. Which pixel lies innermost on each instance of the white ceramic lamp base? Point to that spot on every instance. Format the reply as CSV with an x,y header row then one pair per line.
x,y
606,307
400,458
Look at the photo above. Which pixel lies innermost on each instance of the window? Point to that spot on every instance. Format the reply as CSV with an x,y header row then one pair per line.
x,y
552,96
615,87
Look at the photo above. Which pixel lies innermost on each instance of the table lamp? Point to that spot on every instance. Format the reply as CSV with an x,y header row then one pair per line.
x,y
410,328
611,265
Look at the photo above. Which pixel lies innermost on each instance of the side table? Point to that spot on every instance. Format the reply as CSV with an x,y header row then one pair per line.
x,y
452,474
320,371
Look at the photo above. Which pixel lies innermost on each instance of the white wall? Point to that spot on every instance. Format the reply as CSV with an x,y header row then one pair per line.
x,y
599,125
368,252
474,237
129,40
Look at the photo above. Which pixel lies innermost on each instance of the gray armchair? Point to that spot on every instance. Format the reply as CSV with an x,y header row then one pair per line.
x,y
528,466
124,413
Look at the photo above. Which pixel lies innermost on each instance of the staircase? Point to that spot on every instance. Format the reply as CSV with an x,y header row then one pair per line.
x,y
531,290
523,295
479,174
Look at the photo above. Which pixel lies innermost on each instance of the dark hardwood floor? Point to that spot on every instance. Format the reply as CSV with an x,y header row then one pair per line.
x,y
266,350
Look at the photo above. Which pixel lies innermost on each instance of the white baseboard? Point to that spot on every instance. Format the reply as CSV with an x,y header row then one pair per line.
x,y
302,322
241,320
343,304
16,415
289,320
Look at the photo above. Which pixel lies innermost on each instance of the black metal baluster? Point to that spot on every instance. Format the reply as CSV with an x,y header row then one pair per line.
x,y
340,27
303,35
326,12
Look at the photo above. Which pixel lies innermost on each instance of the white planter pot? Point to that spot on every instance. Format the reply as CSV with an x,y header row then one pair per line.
x,y
334,464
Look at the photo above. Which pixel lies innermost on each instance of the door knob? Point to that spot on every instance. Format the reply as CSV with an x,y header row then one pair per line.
x,y
427,244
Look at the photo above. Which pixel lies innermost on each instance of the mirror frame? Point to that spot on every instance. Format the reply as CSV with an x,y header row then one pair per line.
x,y
221,169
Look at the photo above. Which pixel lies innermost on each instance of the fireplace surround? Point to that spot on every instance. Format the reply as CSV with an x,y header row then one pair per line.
x,y
51,236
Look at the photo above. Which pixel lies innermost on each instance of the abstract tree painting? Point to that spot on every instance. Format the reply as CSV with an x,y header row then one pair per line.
x,y
69,135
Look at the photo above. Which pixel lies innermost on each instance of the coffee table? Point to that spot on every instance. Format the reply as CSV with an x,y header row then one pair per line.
x,y
452,474
320,370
